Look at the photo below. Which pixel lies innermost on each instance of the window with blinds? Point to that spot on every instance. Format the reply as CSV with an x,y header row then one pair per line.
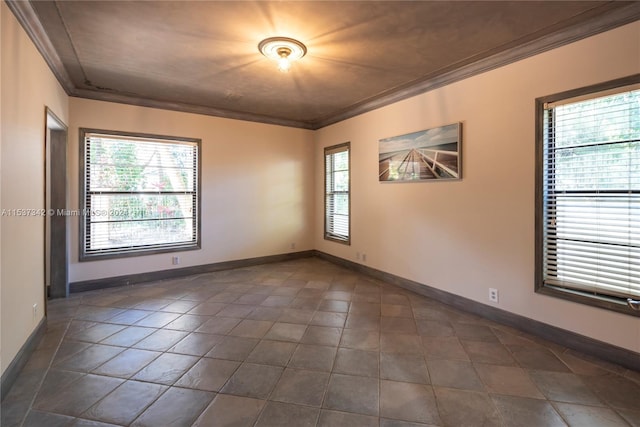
x,y
337,199
589,196
139,194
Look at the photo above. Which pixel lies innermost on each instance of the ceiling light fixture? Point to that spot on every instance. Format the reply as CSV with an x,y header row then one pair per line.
x,y
282,49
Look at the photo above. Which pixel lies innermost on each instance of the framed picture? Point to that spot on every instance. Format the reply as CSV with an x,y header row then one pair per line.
x,y
432,154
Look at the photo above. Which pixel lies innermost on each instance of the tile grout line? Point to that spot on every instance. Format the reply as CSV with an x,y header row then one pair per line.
x,y
461,320
44,376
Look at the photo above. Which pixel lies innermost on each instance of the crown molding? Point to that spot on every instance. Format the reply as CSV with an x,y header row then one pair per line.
x,y
599,22
187,108
28,19
30,22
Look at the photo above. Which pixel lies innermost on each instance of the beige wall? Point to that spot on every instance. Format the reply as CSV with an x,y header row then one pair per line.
x,y
262,185
464,237
256,182
27,87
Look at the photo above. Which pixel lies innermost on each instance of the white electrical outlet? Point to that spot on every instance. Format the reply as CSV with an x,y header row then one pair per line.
x,y
175,260
493,295
364,257
293,245
35,311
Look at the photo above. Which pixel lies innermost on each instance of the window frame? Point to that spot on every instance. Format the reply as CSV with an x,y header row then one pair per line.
x,y
84,219
617,304
333,150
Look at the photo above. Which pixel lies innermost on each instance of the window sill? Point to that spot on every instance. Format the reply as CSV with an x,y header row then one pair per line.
x,y
337,240
138,252
618,305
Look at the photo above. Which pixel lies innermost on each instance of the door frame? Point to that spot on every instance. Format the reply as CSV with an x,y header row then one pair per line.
x,y
56,255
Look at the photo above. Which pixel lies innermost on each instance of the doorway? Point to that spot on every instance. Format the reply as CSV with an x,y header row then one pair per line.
x,y
56,247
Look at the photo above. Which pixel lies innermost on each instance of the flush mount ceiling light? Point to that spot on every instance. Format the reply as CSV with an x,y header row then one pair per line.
x,y
282,49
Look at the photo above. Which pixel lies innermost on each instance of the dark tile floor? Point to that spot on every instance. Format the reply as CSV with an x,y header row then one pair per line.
x,y
301,343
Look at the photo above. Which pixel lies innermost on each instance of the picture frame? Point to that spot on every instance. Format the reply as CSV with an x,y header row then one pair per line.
x,y
428,155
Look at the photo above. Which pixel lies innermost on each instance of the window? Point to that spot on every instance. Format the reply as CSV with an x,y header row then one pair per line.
x,y
139,194
336,198
588,195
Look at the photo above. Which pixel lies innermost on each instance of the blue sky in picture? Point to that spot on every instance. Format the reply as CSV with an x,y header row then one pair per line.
x,y
422,139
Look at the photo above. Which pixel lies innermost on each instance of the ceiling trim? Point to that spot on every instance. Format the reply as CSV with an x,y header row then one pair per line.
x,y
188,108
596,25
27,17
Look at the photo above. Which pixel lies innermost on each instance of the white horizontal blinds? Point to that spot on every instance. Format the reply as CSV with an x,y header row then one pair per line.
x,y
140,193
337,192
592,199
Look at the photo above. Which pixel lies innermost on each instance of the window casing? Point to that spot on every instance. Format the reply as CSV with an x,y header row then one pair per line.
x,y
588,195
139,194
337,202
